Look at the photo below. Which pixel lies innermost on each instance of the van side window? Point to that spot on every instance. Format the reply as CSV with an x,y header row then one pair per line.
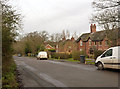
x,y
107,53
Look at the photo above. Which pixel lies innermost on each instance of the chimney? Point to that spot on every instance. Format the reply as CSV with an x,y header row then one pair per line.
x,y
63,38
72,39
93,28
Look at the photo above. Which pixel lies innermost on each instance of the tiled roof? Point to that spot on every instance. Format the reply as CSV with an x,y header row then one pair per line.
x,y
99,35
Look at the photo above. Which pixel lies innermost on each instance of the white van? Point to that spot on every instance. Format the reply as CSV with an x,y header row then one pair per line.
x,y
109,59
42,55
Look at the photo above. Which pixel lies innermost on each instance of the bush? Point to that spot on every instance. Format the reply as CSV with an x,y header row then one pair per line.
x,y
76,55
97,53
60,55
70,55
52,50
52,55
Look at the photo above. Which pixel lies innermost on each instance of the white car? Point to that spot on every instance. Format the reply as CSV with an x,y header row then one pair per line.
x,y
109,59
42,55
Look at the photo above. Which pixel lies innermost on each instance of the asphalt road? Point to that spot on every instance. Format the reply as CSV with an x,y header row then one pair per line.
x,y
47,73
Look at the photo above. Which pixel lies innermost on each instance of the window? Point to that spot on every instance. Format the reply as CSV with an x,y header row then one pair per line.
x,y
81,43
100,43
95,43
107,53
90,43
106,42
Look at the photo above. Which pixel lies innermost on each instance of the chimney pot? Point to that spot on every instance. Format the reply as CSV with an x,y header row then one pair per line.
x,y
72,38
93,28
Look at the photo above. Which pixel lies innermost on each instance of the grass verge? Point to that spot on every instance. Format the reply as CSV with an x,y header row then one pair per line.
x,y
9,77
89,61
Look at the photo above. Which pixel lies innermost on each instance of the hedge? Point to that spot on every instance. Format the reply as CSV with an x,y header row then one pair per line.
x,y
60,55
76,55
97,53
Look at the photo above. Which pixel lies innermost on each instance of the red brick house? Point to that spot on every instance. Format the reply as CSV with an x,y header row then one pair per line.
x,y
67,46
63,46
95,40
48,46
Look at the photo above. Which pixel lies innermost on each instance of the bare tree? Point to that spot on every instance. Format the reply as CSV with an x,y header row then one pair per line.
x,y
106,13
32,42
75,35
52,37
67,34
107,16
44,35
58,37
63,34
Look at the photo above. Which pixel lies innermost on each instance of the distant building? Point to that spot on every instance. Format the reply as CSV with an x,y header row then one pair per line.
x,y
48,46
67,46
63,46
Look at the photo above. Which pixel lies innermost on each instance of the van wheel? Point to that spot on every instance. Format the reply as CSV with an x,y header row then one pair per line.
x,y
100,66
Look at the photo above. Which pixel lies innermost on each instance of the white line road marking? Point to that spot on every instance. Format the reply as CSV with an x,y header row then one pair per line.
x,y
20,63
51,80
44,76
31,68
26,66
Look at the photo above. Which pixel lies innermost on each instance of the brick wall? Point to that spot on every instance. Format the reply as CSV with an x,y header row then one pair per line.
x,y
86,45
67,46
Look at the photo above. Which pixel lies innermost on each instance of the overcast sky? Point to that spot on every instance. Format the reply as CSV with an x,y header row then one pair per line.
x,y
55,15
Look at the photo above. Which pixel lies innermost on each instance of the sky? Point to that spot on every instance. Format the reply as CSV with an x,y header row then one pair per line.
x,y
54,16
